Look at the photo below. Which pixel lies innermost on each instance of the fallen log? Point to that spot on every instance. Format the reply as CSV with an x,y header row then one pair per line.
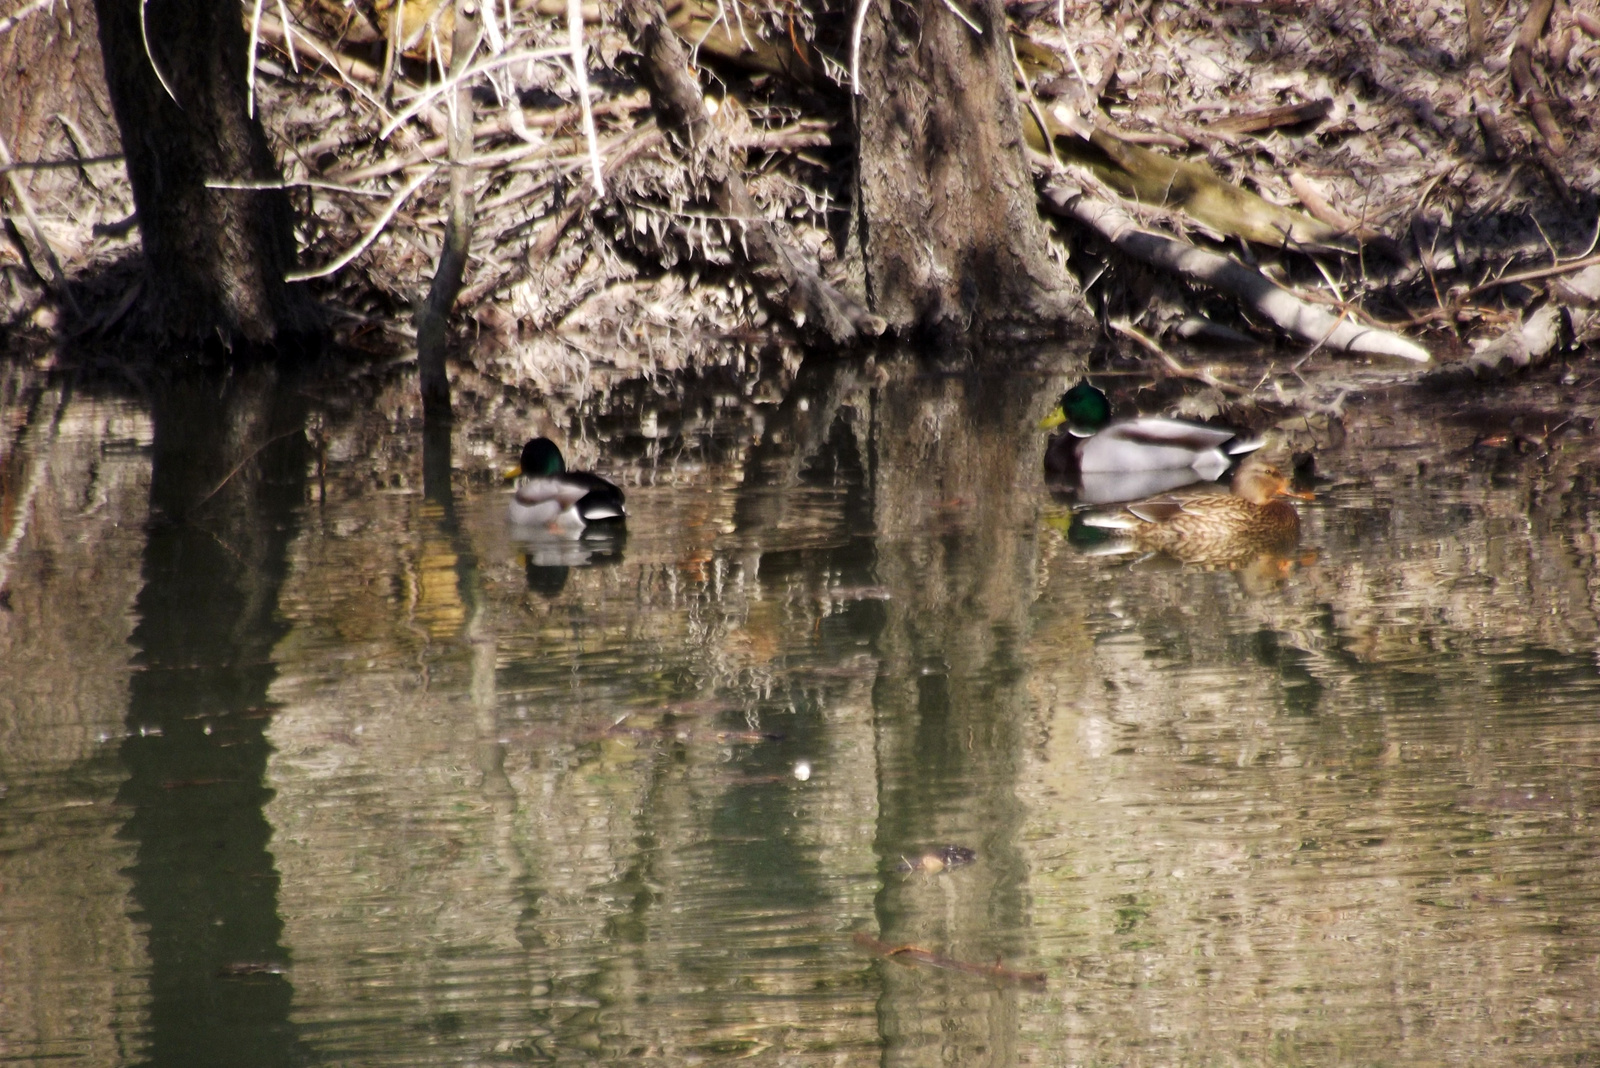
x,y
1259,294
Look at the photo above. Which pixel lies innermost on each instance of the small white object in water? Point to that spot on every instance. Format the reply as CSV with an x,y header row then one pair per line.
x,y
802,770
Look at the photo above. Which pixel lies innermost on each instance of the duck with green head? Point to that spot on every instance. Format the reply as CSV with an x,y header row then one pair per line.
x,y
563,502
1137,457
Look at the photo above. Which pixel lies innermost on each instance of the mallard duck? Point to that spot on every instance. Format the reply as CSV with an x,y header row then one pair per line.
x,y
1093,445
1216,528
564,502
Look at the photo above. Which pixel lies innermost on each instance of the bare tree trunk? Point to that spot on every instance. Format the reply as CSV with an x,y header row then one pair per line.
x,y
216,258
433,316
952,234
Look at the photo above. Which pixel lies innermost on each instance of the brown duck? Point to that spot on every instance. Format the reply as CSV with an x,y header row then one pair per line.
x,y
1216,529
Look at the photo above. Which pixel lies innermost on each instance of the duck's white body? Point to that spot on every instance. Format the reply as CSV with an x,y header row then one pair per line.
x,y
1152,444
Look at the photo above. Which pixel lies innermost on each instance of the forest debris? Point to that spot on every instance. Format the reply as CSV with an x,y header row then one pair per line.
x,y
1475,28
704,25
1260,295
1582,288
1521,345
1318,207
787,277
1535,274
1528,88
1287,115
1494,141
618,153
19,190
914,955
1173,366
1193,188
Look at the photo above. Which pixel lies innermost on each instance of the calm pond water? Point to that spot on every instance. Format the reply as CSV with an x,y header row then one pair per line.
x,y
304,759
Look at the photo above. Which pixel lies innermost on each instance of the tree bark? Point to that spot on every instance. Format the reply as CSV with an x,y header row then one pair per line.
x,y
433,316
952,233
56,93
215,258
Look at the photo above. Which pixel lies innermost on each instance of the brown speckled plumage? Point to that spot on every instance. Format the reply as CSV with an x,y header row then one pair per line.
x,y
1223,530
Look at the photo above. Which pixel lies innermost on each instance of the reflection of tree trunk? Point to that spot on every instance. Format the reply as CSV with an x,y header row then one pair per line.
x,y
216,258
952,231
228,472
950,704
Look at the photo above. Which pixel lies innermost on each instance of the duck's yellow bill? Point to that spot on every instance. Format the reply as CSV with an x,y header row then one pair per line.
x,y
514,471
1054,419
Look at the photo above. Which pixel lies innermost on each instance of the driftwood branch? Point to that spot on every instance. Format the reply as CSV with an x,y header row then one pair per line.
x,y
1528,89
1260,294
781,271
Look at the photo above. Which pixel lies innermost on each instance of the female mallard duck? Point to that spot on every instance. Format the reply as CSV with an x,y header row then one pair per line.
x,y
1214,528
1093,445
565,502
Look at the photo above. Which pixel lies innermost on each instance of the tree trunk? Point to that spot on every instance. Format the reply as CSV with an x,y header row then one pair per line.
x,y
215,258
952,234
56,94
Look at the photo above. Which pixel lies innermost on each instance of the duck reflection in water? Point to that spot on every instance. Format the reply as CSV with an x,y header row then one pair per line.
x,y
549,558
1212,529
1103,462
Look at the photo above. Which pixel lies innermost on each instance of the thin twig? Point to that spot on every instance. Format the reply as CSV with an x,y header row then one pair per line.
x,y
370,236
288,35
253,453
580,81
955,9
291,183
57,164
250,64
144,35
1536,274
427,96
1127,329
855,45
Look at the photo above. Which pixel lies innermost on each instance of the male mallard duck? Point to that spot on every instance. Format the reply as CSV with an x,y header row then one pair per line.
x,y
1216,528
565,502
1093,445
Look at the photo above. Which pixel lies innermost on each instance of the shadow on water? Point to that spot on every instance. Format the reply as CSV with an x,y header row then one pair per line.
x,y
227,478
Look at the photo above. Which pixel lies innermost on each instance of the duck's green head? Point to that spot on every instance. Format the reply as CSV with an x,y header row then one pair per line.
x,y
541,458
1083,408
